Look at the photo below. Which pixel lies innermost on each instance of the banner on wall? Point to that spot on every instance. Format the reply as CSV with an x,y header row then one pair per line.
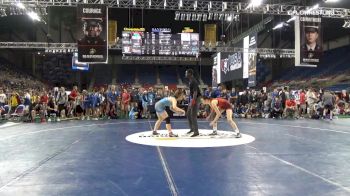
x,y
93,33
231,66
309,41
252,57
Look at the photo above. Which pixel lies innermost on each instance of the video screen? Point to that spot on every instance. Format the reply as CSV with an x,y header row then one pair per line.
x,y
132,42
160,43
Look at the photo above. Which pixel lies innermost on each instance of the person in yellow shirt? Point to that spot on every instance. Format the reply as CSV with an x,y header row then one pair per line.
x,y
14,101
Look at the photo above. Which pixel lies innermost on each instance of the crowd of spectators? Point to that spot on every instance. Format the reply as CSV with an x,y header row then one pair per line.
x,y
286,103
117,101
23,96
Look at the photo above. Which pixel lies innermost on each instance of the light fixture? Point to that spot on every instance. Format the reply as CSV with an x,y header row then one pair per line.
x,y
34,16
205,17
194,16
280,25
216,16
210,16
221,16
195,5
210,5
291,19
199,17
224,6
177,15
331,1
183,16
313,8
20,5
254,3
346,24
188,16
180,4
228,17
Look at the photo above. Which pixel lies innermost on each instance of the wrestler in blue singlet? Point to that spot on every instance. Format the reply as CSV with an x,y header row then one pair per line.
x,y
161,104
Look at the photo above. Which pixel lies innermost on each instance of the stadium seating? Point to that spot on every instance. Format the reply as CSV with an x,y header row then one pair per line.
x,y
333,62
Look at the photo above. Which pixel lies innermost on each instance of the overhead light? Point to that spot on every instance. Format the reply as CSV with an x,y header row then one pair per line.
x,y
221,16
210,5
280,25
331,1
210,16
346,24
291,19
254,3
180,4
134,2
313,8
224,6
149,3
195,5
183,16
228,17
194,17
177,15
216,16
188,16
205,17
34,16
199,17
20,5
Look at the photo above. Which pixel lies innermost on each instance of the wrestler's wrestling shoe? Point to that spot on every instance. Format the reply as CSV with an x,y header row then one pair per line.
x,y
214,133
155,133
238,135
171,134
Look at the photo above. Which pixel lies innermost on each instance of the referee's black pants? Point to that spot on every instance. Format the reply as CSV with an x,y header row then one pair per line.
x,y
192,112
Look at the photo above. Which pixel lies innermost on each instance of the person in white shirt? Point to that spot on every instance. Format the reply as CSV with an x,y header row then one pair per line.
x,y
3,98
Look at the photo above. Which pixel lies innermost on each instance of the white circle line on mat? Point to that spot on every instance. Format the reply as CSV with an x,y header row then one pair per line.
x,y
184,141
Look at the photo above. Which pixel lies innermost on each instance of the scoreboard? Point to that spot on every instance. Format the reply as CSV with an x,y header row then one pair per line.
x,y
159,42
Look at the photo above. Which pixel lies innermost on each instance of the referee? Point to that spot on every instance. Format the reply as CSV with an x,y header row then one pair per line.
x,y
192,110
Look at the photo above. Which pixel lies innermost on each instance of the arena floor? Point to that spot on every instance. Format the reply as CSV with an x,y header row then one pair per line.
x,y
303,157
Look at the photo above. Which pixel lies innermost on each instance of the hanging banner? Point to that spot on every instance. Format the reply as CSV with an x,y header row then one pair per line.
x,y
214,73
112,32
92,44
246,57
311,49
210,35
252,60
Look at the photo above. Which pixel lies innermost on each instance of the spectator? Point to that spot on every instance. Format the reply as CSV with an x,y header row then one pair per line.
x,y
14,101
62,101
291,109
302,100
311,101
112,97
328,101
3,98
277,108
